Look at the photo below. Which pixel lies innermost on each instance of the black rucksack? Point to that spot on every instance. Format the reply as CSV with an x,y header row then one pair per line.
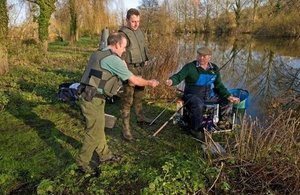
x,y
65,93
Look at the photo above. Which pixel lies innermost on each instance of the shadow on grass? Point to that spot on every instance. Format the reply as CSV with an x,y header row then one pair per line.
x,y
50,94
46,129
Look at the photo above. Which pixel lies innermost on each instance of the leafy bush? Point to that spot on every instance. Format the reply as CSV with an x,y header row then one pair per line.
x,y
181,175
45,187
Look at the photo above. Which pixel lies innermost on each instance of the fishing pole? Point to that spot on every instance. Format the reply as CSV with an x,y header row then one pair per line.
x,y
176,98
170,119
163,111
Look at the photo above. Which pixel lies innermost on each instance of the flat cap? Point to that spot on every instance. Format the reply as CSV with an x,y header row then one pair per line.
x,y
204,51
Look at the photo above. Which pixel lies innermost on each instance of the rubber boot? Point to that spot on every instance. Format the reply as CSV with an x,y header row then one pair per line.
x,y
126,131
140,114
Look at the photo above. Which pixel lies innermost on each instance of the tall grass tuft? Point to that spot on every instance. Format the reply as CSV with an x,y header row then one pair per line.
x,y
267,159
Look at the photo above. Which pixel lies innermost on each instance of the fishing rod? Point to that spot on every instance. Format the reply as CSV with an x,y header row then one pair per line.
x,y
163,111
176,98
170,119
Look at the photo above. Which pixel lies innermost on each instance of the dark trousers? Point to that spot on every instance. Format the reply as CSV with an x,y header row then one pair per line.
x,y
132,96
196,105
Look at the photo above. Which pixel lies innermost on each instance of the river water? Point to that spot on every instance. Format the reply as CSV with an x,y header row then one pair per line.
x,y
267,68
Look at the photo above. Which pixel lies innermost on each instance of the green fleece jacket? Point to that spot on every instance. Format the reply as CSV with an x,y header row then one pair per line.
x,y
190,74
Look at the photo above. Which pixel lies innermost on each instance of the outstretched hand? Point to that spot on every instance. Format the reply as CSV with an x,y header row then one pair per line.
x,y
169,82
153,83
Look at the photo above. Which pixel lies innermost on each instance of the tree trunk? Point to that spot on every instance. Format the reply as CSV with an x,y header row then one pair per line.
x,y
73,21
46,9
3,38
3,60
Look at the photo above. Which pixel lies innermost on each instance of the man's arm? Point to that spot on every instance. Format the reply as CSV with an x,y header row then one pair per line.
x,y
223,90
136,80
178,77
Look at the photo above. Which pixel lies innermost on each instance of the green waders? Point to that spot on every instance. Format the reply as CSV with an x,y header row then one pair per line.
x,y
94,140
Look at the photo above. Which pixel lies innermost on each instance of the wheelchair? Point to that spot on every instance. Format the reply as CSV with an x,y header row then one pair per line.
x,y
211,118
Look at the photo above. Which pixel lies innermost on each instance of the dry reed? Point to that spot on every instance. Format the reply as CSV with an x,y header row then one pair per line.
x,y
267,159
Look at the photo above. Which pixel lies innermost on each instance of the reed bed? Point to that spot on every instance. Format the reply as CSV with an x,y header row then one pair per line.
x,y
265,159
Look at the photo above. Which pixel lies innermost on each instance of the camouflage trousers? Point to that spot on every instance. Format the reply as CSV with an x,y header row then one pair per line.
x,y
132,96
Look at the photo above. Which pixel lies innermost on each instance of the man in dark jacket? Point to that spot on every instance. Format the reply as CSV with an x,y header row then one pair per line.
x,y
136,57
202,84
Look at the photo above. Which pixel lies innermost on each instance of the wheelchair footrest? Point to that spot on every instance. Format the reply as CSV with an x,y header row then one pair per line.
x,y
222,131
216,129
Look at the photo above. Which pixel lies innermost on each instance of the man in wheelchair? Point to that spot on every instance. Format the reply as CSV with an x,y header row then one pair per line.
x,y
203,89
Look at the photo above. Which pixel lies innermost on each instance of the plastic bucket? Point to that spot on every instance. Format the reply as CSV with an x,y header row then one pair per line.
x,y
244,98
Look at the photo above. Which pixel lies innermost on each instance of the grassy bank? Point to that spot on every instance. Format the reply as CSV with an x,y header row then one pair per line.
x,y
40,137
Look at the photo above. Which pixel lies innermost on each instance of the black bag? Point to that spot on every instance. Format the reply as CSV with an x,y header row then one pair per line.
x,y
65,93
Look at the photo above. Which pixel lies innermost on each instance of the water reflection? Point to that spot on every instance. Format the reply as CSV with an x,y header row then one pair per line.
x,y
266,68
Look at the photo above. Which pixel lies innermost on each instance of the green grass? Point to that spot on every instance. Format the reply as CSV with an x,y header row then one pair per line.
x,y
40,138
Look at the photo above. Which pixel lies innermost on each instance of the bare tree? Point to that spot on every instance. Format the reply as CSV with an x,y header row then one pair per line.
x,y
149,9
100,16
238,7
207,9
86,17
255,4
61,17
46,8
166,16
